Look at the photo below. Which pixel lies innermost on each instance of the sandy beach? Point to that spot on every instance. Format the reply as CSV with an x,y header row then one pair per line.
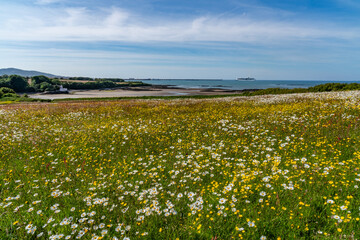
x,y
136,92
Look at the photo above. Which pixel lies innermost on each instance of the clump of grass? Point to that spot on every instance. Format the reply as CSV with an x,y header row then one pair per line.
x,y
327,87
184,169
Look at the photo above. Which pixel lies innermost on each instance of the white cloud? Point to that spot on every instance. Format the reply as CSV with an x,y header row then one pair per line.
x,y
43,2
115,24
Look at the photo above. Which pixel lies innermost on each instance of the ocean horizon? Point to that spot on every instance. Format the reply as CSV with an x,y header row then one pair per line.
x,y
240,84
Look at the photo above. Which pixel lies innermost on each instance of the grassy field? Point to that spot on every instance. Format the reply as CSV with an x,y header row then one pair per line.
x,y
264,167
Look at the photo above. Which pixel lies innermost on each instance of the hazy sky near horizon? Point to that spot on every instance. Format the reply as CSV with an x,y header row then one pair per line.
x,y
277,39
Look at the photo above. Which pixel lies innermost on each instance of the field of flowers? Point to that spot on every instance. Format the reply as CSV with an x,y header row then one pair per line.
x,y
268,167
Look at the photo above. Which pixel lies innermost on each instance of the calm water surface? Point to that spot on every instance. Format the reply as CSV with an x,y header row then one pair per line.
x,y
239,85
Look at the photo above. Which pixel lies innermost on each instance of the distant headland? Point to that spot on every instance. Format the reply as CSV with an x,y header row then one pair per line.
x,y
24,73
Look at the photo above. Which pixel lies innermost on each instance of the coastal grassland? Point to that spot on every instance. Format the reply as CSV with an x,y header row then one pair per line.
x,y
270,167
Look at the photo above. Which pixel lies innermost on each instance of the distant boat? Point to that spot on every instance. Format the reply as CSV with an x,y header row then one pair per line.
x,y
246,79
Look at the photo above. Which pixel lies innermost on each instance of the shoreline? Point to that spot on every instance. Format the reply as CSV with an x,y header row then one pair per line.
x,y
141,91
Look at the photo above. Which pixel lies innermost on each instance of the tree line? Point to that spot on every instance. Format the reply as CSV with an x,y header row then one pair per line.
x,y
35,84
100,84
97,79
42,83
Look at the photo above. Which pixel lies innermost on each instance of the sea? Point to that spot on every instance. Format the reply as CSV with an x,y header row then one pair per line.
x,y
240,85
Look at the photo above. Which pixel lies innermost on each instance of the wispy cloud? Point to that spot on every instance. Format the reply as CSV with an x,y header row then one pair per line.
x,y
116,24
253,39
349,3
43,2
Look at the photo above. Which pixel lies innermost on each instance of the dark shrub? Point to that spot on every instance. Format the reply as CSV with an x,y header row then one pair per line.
x,y
18,83
10,95
6,90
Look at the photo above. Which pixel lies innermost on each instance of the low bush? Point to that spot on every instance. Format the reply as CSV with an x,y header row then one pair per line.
x,y
6,90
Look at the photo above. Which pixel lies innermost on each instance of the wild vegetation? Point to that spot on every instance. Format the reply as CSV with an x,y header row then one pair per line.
x,y
36,84
326,87
8,95
270,167
44,84
100,84
15,82
97,79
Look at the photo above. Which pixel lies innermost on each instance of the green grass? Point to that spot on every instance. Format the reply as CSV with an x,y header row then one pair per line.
x,y
8,100
148,98
184,169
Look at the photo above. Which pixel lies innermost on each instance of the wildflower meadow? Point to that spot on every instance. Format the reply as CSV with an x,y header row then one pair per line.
x,y
263,167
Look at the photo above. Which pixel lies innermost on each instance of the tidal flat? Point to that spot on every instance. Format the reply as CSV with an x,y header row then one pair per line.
x,y
142,91
262,167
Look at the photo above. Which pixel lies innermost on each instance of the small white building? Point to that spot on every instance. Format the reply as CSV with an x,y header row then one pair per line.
x,y
62,89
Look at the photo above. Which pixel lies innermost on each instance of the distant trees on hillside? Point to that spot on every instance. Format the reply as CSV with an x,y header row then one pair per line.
x,y
43,83
97,79
15,82
90,85
81,78
100,84
21,84
18,83
110,79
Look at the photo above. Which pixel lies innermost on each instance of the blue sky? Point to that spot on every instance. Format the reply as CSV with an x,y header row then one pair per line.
x,y
277,39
